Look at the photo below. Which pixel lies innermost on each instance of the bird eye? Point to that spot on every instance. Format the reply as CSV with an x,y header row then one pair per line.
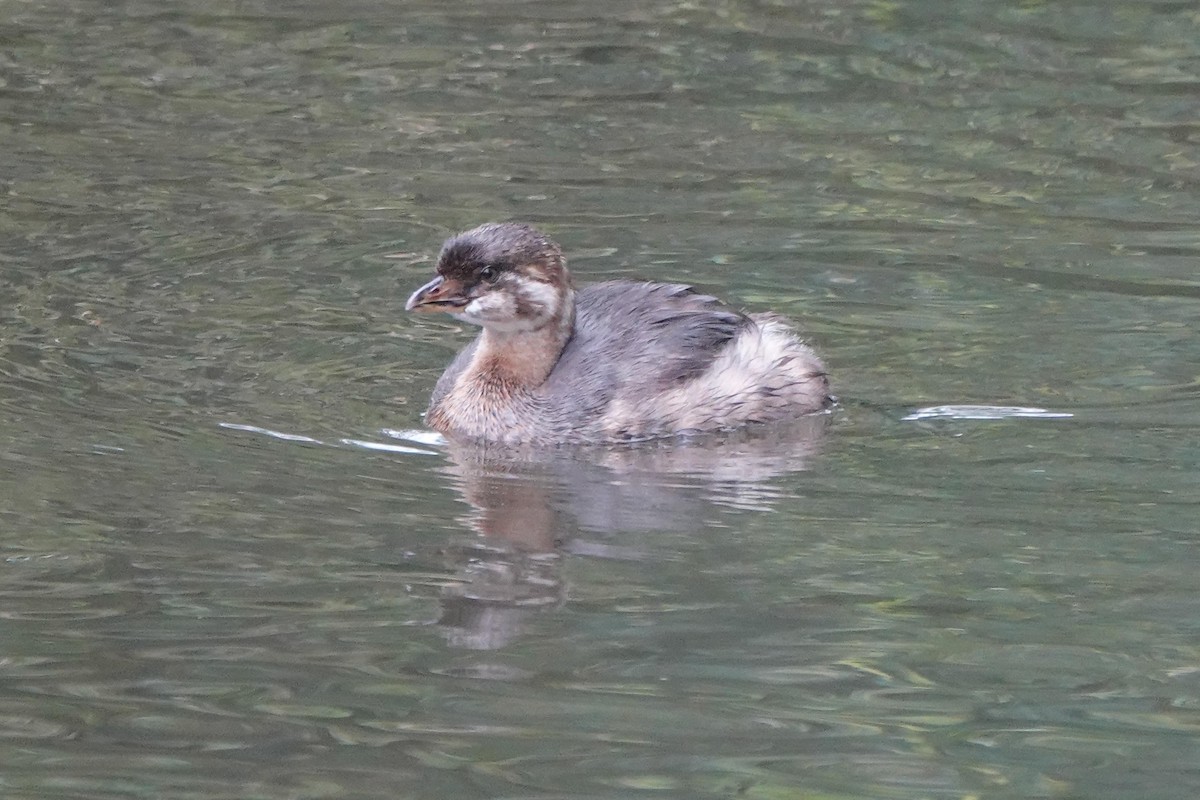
x,y
489,273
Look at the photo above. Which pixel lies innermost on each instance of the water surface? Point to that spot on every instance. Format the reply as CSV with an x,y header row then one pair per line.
x,y
234,568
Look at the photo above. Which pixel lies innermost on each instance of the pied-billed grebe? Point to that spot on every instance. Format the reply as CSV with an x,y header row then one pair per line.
x,y
616,361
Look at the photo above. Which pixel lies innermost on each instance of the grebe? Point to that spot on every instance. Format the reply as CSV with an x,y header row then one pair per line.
x,y
616,361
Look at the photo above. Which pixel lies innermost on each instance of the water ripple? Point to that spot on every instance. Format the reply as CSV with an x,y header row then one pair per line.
x,y
984,413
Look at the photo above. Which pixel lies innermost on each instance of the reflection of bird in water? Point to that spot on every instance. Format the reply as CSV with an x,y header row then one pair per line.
x,y
534,507
618,361
497,588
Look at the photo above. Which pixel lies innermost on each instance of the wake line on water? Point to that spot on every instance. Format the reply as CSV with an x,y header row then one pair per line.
x,y
416,437
985,413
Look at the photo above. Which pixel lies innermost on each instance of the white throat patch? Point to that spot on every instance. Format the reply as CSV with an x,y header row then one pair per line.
x,y
498,309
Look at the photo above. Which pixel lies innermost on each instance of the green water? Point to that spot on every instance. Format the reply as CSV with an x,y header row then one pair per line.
x,y
234,566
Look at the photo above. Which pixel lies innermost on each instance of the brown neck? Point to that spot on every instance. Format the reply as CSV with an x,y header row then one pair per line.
x,y
524,359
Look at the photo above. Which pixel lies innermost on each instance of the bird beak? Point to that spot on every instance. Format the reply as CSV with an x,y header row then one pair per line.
x,y
440,294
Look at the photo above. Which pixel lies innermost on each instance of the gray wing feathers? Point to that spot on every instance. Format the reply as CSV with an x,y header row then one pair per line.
x,y
652,334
